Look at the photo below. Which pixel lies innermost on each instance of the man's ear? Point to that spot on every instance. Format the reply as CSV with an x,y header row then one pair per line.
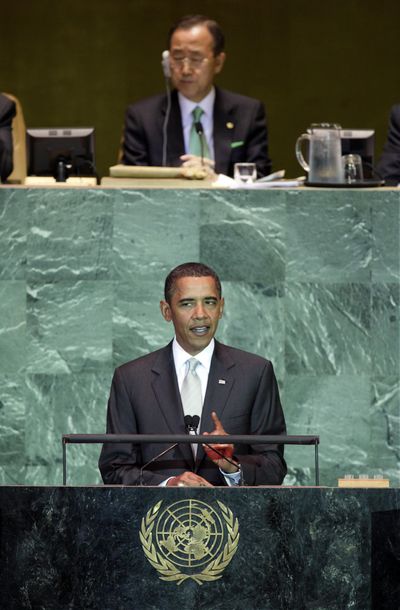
x,y
165,311
219,63
222,305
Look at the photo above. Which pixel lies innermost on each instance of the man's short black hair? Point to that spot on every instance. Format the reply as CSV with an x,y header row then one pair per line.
x,y
188,270
189,21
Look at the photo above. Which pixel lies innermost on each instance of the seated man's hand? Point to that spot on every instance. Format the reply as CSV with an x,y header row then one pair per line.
x,y
191,162
188,479
225,449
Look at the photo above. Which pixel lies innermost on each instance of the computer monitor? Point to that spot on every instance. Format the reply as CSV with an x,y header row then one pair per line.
x,y
360,142
61,152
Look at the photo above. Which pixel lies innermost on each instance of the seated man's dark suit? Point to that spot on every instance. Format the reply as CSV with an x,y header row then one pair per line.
x,y
145,399
240,132
7,113
389,164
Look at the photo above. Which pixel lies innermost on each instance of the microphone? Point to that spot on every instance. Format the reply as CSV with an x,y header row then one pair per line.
x,y
154,459
166,67
192,423
200,132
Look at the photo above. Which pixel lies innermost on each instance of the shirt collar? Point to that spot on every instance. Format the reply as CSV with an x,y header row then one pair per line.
x,y
187,107
181,357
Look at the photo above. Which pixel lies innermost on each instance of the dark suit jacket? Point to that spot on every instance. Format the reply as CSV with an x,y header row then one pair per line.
x,y
145,399
389,164
7,113
240,132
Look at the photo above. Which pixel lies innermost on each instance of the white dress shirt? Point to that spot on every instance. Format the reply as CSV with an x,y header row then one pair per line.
x,y
181,362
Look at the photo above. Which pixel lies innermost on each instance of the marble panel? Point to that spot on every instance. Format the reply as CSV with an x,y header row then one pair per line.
x,y
69,326
70,235
337,408
242,236
386,236
67,404
138,326
12,420
385,329
328,328
254,321
14,475
13,234
154,231
52,474
31,475
12,326
384,447
328,236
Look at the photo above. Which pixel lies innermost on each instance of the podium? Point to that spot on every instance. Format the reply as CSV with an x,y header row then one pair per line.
x,y
292,548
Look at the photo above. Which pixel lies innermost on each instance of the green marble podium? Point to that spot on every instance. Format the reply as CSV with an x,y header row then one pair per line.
x,y
310,278
286,549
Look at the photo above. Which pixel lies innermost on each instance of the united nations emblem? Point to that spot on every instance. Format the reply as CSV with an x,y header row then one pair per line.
x,y
189,540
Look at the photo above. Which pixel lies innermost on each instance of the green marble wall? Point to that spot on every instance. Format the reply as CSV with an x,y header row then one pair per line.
x,y
311,281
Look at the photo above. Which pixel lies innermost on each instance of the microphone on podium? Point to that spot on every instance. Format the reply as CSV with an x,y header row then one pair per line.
x,y
192,423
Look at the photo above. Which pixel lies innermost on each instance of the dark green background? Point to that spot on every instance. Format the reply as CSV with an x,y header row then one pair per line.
x,y
81,62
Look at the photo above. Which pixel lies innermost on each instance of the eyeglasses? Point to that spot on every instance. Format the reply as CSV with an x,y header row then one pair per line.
x,y
193,62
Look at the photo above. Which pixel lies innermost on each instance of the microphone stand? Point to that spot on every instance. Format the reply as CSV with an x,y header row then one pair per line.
x,y
167,75
200,132
154,459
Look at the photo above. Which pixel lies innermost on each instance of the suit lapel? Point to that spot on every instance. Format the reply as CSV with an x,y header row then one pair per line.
x,y
176,146
165,387
223,132
221,380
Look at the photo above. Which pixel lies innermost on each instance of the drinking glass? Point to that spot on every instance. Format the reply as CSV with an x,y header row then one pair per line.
x,y
245,172
352,168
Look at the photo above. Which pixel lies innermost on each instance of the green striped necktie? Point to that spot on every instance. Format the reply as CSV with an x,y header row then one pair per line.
x,y
195,139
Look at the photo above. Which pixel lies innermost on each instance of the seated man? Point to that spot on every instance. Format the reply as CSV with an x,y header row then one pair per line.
x,y
7,113
388,167
195,375
234,125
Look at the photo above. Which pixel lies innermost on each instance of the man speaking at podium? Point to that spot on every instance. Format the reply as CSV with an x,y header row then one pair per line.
x,y
197,123
194,378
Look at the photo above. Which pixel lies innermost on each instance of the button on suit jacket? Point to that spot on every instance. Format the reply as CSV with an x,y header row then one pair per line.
x,y
240,132
145,399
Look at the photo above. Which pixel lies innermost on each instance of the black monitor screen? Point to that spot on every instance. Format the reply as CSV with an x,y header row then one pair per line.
x,y
61,152
360,142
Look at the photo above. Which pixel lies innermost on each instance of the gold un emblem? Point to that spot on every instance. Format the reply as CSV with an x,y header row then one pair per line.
x,y
189,539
